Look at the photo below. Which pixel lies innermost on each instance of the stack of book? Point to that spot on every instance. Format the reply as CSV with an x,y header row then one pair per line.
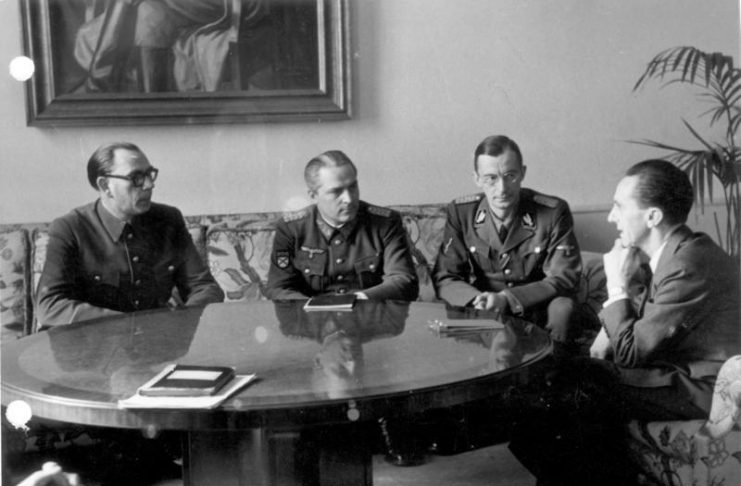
x,y
187,387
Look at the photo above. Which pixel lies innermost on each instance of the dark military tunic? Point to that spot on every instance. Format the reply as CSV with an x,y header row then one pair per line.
x,y
97,265
538,260
369,254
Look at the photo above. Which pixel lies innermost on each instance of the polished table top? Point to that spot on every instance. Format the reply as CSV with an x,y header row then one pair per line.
x,y
312,367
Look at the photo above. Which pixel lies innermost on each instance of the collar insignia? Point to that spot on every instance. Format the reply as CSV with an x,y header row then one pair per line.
x,y
481,216
527,221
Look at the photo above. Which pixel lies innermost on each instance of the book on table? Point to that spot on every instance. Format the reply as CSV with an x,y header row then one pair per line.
x,y
331,302
188,380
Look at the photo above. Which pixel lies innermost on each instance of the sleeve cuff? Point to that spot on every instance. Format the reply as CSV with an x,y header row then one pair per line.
x,y
515,306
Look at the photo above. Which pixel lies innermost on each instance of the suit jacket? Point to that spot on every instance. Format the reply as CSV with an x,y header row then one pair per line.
x,y
685,325
97,266
538,261
370,253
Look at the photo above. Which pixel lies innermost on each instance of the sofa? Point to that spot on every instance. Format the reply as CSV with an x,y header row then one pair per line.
x,y
237,249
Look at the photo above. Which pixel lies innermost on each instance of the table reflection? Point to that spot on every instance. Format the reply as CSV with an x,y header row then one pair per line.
x,y
339,364
127,355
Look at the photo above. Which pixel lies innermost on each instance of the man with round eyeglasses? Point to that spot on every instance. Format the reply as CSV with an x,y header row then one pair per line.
x,y
122,252
510,249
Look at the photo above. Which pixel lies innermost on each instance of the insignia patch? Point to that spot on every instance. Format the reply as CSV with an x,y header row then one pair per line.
x,y
480,216
567,249
282,259
527,221
379,211
312,251
447,245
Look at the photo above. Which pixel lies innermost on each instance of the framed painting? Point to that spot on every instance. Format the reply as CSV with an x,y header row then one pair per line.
x,y
146,62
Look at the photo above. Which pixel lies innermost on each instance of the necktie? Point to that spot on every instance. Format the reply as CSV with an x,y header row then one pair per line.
x,y
502,233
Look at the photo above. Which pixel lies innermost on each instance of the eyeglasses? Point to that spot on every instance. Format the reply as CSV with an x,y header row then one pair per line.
x,y
137,178
509,177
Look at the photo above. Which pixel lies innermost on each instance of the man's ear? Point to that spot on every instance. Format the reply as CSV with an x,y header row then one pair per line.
x,y
476,178
312,194
654,217
524,171
102,183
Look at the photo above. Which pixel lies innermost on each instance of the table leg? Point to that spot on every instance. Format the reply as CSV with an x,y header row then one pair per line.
x,y
319,456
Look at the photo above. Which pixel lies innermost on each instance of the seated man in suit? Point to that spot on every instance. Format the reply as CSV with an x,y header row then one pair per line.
x,y
340,244
658,353
122,252
510,249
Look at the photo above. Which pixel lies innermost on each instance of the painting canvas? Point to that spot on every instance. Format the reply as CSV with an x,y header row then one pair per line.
x,y
192,61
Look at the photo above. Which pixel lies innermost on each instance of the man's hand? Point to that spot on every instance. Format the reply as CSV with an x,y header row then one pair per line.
x,y
361,296
620,263
601,348
496,302
51,475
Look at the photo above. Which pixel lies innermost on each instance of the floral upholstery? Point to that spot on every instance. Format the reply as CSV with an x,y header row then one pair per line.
x,y
15,305
695,452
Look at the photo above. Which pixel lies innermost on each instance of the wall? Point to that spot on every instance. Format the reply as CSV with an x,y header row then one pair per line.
x,y
431,78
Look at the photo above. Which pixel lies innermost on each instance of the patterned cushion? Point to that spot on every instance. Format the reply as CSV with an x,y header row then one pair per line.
x,y
695,452
14,283
40,238
424,228
239,260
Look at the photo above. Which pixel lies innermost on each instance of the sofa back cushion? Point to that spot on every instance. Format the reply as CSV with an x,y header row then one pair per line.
x,y
15,287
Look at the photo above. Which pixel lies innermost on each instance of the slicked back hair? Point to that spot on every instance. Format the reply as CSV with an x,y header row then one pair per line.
x,y
495,146
331,158
663,185
101,161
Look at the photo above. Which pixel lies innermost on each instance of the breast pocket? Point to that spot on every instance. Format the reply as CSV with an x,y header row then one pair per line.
x,y
312,267
103,287
369,271
481,258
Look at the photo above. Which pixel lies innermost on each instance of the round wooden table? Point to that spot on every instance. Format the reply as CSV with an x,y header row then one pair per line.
x,y
322,377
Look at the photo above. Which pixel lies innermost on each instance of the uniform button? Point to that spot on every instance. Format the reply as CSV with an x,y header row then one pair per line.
x,y
130,235
372,266
337,242
510,284
340,278
138,283
135,259
472,249
339,260
136,303
507,271
171,268
503,255
306,270
341,291
97,278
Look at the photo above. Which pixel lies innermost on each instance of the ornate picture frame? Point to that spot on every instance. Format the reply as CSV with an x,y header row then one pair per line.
x,y
149,62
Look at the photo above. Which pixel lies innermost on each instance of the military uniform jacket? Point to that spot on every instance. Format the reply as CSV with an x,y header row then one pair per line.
x,y
686,322
370,253
538,261
96,265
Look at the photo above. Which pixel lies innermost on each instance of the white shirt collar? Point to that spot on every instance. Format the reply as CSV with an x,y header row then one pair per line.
x,y
654,261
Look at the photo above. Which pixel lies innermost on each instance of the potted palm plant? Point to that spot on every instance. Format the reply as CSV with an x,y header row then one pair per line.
x,y
712,162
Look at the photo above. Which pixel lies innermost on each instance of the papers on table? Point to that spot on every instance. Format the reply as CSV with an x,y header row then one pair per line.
x,y
330,302
139,401
454,327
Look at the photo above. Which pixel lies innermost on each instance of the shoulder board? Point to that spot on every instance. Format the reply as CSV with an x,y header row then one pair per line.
x,y
549,201
379,211
468,199
295,215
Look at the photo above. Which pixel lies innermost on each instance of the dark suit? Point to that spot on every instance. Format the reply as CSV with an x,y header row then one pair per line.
x,y
685,325
668,345
98,266
370,253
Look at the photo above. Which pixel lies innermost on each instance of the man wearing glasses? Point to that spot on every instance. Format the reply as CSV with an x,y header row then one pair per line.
x,y
509,249
123,252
